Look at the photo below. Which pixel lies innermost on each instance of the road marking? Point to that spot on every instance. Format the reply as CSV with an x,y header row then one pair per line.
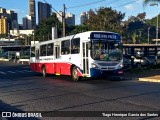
x,y
2,72
14,72
27,70
20,71
11,72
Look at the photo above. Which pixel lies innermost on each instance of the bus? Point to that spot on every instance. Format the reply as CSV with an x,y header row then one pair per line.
x,y
87,54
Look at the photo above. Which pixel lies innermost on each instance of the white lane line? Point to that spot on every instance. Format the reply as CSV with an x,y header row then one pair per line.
x,y
2,72
20,71
11,72
27,70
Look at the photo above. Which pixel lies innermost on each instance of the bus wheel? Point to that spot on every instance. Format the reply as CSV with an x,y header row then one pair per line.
x,y
44,71
75,76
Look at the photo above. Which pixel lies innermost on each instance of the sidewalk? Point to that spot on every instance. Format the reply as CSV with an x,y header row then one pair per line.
x,y
155,78
152,75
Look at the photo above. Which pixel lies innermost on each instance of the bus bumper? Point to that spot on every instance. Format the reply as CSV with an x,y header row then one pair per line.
x,y
105,73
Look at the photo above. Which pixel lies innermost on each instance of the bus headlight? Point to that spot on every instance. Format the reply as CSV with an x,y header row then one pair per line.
x,y
120,66
94,66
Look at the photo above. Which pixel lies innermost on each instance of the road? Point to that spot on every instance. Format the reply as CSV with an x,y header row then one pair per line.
x,y
23,90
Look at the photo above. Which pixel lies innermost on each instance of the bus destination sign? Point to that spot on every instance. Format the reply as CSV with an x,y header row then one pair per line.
x,y
108,36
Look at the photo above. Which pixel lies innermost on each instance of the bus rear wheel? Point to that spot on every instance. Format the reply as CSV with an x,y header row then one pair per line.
x,y
44,71
75,76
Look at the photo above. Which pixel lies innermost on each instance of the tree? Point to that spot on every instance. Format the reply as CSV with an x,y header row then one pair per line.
x,y
153,21
145,2
76,29
44,30
105,19
134,29
3,35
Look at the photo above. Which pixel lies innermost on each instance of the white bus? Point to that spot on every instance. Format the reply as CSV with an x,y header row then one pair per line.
x,y
88,54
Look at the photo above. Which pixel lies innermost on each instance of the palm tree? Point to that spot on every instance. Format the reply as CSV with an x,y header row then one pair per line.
x,y
145,2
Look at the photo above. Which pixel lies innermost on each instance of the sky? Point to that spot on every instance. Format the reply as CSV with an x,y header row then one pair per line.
x,y
130,7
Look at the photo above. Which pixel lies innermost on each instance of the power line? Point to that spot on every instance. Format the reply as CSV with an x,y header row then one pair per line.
x,y
126,3
119,5
122,4
86,4
53,8
106,3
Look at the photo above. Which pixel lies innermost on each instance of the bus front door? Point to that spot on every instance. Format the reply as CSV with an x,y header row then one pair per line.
x,y
57,58
85,60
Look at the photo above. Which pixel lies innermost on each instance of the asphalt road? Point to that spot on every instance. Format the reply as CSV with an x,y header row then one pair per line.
x,y
23,90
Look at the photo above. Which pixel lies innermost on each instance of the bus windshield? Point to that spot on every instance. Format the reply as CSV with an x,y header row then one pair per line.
x,y
106,50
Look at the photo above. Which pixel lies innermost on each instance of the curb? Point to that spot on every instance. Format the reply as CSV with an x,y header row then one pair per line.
x,y
149,80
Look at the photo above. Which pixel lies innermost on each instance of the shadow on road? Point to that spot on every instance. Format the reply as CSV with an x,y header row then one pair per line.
x,y
8,108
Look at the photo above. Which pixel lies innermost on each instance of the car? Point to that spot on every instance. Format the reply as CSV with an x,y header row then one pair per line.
x,y
139,54
126,63
151,59
138,61
141,62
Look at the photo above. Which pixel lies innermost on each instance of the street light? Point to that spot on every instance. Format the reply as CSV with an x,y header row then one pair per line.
x,y
153,4
148,34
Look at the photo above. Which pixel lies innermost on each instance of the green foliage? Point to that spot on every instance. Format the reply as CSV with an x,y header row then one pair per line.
x,y
3,35
105,19
145,2
44,30
76,29
153,21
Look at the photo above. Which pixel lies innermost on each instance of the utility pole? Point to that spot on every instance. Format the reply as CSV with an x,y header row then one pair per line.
x,y
8,32
63,20
148,34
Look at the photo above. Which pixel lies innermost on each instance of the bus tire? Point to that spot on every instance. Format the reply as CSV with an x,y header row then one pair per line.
x,y
44,71
74,74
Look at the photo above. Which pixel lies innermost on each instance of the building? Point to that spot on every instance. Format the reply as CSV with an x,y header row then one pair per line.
x,y
11,16
2,12
21,32
83,17
27,23
70,18
44,11
59,15
12,19
3,25
32,13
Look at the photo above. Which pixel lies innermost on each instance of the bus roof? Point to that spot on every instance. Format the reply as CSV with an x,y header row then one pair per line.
x,y
84,35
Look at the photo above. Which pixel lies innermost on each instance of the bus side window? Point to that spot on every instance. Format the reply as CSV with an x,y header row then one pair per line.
x,y
32,51
43,50
50,49
75,46
65,47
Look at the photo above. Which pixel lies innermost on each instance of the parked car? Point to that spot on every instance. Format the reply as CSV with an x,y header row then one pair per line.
x,y
151,59
141,61
138,61
139,54
126,62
